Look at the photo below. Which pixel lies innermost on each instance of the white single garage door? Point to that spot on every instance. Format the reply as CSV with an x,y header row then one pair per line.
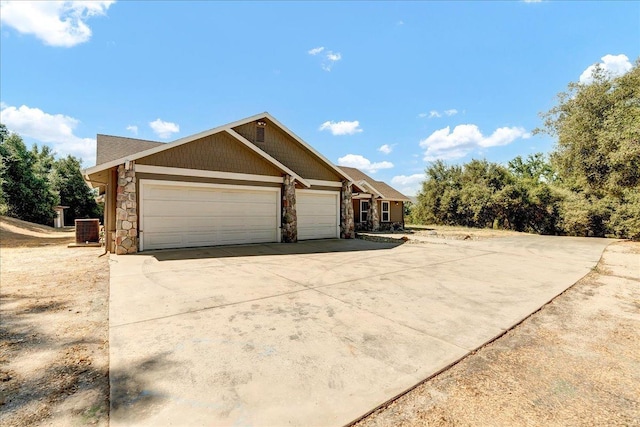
x,y
182,215
318,214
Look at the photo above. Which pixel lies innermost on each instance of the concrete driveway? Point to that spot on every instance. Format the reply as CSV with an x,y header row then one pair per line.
x,y
315,333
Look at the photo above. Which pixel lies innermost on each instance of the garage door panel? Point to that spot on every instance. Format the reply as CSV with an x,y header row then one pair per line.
x,y
318,210
317,214
184,216
163,239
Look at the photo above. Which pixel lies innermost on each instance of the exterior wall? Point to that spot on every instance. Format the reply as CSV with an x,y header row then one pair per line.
x,y
110,210
347,225
126,211
395,212
288,152
373,218
356,210
289,214
219,152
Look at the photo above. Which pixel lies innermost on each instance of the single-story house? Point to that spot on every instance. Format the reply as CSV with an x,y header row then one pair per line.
x,y
376,205
250,181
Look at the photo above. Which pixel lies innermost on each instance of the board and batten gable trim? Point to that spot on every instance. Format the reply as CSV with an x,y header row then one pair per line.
x,y
146,182
323,183
163,170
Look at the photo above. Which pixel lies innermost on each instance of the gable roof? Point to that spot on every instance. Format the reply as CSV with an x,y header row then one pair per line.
x,y
379,187
111,147
158,147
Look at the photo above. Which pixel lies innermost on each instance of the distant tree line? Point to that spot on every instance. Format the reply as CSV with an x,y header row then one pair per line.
x,y
589,185
33,182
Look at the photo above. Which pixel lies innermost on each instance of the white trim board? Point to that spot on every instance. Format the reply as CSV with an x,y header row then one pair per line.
x,y
323,183
163,170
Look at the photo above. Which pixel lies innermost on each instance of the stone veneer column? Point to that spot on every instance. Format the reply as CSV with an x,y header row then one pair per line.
x,y
126,211
347,226
289,216
373,220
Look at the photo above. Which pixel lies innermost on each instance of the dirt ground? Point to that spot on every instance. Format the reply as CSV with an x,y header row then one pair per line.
x,y
457,233
53,330
575,362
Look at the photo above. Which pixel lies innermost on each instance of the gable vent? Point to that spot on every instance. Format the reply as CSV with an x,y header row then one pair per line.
x,y
260,125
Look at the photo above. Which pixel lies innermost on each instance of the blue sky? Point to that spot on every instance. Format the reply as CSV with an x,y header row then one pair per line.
x,y
384,86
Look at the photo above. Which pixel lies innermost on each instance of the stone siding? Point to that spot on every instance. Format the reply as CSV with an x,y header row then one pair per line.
x,y
126,211
373,219
289,215
347,226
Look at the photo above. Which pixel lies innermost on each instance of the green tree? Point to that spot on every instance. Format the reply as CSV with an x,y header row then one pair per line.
x,y
597,154
486,194
43,161
74,192
26,194
4,133
535,167
438,200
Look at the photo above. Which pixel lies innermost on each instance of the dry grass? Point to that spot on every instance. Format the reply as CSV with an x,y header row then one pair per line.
x,y
54,331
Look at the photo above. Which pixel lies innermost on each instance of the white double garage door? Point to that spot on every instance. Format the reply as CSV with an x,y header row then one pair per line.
x,y
181,215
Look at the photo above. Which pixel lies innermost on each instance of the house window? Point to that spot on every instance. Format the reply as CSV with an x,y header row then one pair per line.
x,y
385,212
364,210
260,131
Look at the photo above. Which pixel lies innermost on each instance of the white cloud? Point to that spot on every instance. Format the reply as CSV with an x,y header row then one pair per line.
x,y
342,127
54,130
434,114
422,115
613,65
446,145
399,23
362,163
164,129
386,149
533,1
504,136
133,129
408,184
56,23
315,50
330,59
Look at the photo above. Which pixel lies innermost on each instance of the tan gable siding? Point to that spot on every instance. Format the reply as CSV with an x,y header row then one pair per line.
x,y
219,152
288,151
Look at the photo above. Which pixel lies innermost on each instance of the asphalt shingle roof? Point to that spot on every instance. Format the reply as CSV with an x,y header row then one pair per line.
x,y
383,188
115,147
